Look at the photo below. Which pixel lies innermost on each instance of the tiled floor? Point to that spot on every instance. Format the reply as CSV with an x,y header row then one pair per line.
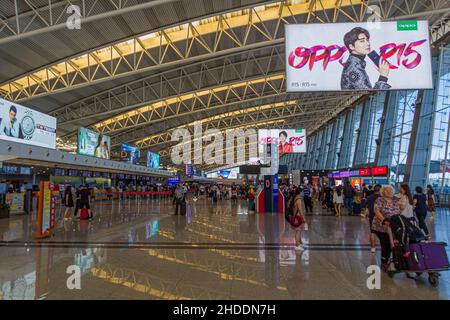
x,y
140,250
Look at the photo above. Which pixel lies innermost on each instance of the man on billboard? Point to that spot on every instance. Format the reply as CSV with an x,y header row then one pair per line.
x,y
284,146
354,75
11,128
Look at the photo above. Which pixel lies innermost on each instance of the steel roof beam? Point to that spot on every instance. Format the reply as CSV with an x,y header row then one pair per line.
x,y
52,17
313,102
194,42
174,82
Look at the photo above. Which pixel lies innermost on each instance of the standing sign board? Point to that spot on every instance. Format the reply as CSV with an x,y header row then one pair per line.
x,y
46,210
16,201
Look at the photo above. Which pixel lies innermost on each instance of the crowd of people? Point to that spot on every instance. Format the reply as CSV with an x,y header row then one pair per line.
x,y
376,203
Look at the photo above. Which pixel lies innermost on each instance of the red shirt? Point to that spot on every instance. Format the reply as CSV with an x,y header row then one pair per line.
x,y
286,148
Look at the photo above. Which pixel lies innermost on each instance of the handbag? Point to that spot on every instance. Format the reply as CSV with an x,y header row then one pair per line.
x,y
296,220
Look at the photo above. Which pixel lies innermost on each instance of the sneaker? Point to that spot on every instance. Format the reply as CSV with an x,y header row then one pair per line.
x,y
373,250
300,247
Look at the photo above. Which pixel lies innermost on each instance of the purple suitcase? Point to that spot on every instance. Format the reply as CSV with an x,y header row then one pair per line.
x,y
426,256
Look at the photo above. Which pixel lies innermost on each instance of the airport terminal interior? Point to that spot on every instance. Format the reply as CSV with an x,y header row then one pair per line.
x,y
224,149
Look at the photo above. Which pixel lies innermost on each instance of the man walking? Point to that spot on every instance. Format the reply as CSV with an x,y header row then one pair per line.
x,y
179,199
307,198
349,194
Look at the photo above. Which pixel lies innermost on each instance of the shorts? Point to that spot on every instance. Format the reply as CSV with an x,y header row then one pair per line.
x,y
370,225
85,205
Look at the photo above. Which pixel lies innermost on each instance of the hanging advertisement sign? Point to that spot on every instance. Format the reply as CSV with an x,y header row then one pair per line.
x,y
358,56
315,181
173,181
94,144
380,171
188,169
24,125
364,172
152,160
288,140
129,154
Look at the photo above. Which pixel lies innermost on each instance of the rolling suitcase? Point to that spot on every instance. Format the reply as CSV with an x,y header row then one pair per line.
x,y
356,209
84,214
183,208
426,256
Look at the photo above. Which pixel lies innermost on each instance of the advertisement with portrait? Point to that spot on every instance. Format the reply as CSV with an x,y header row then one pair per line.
x,y
358,56
152,160
24,125
94,144
130,154
288,140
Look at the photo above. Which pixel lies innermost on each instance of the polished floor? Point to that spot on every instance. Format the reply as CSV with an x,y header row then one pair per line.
x,y
137,249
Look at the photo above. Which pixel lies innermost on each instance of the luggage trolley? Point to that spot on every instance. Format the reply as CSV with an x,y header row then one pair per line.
x,y
418,258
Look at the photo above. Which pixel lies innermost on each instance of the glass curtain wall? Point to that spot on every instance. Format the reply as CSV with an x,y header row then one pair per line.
x,y
439,175
401,132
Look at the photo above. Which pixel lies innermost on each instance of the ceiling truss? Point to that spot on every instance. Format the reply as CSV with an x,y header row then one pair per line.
x,y
202,39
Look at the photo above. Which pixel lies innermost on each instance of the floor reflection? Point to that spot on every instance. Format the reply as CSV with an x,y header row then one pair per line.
x,y
140,250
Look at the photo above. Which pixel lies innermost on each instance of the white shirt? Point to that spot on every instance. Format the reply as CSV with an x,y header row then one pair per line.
x,y
338,199
408,211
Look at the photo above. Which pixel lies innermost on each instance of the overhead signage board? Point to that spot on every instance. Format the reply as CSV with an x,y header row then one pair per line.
x,y
392,55
130,154
94,144
288,140
24,125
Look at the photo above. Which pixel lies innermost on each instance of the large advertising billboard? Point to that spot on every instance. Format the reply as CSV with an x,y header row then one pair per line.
x,y
358,56
129,154
288,140
223,174
94,144
152,160
24,125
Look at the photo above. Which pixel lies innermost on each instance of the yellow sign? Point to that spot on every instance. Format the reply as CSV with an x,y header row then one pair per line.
x,y
46,207
16,201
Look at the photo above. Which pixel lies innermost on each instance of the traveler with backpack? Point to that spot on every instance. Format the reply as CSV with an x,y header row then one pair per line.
x,y
329,205
430,201
307,198
179,198
233,194
420,208
285,192
338,200
371,214
357,203
385,207
367,192
297,219
349,194
83,202
251,200
68,202
406,202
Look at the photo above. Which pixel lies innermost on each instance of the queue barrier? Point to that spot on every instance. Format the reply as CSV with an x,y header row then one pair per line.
x,y
129,193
